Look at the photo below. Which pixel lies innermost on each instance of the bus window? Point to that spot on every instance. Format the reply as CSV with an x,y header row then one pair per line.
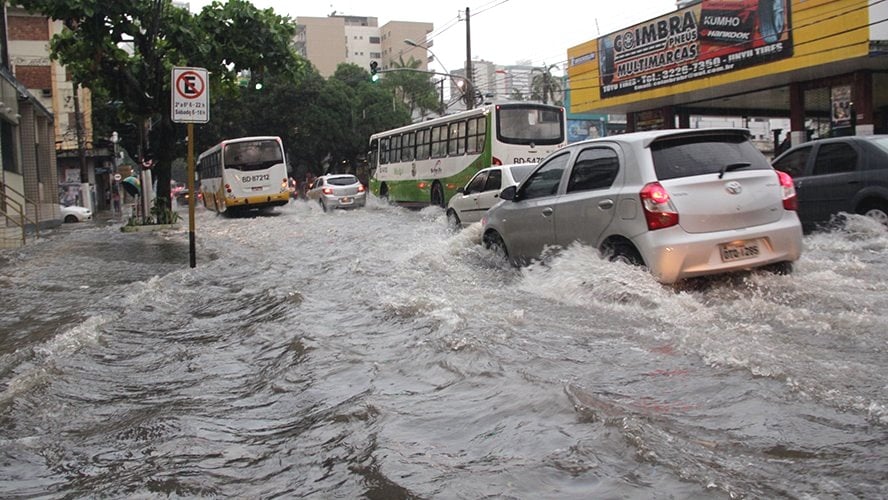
x,y
373,154
407,146
384,151
395,150
439,141
525,124
423,144
457,138
477,128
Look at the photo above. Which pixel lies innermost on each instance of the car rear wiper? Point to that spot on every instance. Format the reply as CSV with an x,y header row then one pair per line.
x,y
733,166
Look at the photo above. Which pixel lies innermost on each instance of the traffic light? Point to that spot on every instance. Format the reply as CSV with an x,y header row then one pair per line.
x,y
374,72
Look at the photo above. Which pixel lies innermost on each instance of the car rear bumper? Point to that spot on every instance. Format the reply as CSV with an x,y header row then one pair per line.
x,y
345,201
672,254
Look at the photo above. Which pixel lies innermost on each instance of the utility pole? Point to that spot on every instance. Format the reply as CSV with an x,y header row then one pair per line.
x,y
85,190
470,91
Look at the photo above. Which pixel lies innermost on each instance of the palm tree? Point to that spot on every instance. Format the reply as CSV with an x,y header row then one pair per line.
x,y
413,86
545,87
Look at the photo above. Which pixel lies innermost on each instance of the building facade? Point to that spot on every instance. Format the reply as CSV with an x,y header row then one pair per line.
x,y
821,65
83,170
330,41
28,178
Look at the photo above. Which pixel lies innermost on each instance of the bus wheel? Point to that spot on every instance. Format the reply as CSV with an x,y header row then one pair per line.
x,y
384,192
437,195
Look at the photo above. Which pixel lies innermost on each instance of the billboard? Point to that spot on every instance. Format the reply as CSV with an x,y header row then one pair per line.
x,y
706,38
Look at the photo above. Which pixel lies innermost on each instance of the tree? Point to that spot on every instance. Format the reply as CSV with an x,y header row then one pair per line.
x,y
128,50
545,87
414,88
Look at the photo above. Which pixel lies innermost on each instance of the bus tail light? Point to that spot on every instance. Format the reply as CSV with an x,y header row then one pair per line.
x,y
228,188
790,199
497,162
658,208
422,185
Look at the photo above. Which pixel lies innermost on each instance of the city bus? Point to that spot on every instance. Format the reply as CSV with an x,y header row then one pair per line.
x,y
423,164
244,174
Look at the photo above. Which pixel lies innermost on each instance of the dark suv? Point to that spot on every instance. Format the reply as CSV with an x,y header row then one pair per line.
x,y
839,175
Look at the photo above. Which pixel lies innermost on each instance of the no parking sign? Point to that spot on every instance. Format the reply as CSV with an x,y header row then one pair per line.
x,y
191,95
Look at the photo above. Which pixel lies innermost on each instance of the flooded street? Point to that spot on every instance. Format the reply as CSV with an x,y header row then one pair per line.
x,y
373,353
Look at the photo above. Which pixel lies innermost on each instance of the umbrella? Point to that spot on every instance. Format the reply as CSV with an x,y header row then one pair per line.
x,y
132,186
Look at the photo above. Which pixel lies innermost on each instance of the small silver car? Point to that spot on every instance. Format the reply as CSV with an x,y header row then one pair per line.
x,y
338,191
471,202
683,203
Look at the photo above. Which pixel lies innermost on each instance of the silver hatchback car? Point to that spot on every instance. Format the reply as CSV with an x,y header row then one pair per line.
x,y
683,203
338,191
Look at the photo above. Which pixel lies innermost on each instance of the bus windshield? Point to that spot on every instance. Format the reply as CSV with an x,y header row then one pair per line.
x,y
526,124
252,155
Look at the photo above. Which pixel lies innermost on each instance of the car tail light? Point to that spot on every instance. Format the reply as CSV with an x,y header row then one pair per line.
x,y
497,162
658,208
328,190
360,188
790,200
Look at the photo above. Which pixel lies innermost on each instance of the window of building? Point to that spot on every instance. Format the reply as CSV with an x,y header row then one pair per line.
x,y
374,39
7,145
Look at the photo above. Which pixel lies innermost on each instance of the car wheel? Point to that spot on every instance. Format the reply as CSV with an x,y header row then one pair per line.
x,y
70,218
494,242
453,221
877,211
624,252
437,195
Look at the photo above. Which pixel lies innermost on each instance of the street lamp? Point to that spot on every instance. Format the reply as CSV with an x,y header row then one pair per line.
x,y
468,92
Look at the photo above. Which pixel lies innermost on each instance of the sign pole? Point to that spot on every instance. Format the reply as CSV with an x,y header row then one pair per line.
x,y
191,197
190,104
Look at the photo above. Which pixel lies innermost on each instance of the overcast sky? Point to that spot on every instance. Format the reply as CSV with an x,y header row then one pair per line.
x,y
502,31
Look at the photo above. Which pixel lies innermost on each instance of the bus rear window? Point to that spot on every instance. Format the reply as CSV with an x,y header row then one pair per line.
x,y
527,124
252,155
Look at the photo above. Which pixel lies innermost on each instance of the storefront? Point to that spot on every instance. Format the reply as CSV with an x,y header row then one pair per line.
x,y
821,63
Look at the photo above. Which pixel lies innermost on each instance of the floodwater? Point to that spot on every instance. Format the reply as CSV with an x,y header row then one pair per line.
x,y
375,354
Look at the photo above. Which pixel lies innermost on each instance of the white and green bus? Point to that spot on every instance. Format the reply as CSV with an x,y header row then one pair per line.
x,y
244,174
425,163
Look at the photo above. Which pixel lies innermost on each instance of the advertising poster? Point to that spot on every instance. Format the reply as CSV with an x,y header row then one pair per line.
x,y
841,105
707,38
580,130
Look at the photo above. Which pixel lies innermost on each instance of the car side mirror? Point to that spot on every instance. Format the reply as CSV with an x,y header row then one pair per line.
x,y
508,193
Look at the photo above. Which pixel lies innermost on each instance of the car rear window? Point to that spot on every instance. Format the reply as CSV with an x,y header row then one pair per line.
x,y
342,181
705,154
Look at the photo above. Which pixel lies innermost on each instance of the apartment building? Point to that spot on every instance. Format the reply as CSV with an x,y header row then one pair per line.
x,y
335,39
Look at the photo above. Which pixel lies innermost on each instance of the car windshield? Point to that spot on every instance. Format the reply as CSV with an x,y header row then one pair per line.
x,y
520,172
687,156
343,181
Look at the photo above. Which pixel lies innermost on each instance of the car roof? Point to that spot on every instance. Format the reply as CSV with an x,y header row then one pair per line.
x,y
833,140
645,138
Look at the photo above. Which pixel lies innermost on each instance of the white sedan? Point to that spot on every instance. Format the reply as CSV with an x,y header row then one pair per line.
x,y
471,202
73,213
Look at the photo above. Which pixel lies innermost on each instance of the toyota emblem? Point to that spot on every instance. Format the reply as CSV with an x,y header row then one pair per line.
x,y
733,187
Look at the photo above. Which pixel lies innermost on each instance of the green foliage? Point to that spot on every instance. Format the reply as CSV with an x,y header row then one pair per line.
x,y
124,53
546,87
415,88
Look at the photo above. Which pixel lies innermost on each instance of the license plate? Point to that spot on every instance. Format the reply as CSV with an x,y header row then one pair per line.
x,y
739,250
345,199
